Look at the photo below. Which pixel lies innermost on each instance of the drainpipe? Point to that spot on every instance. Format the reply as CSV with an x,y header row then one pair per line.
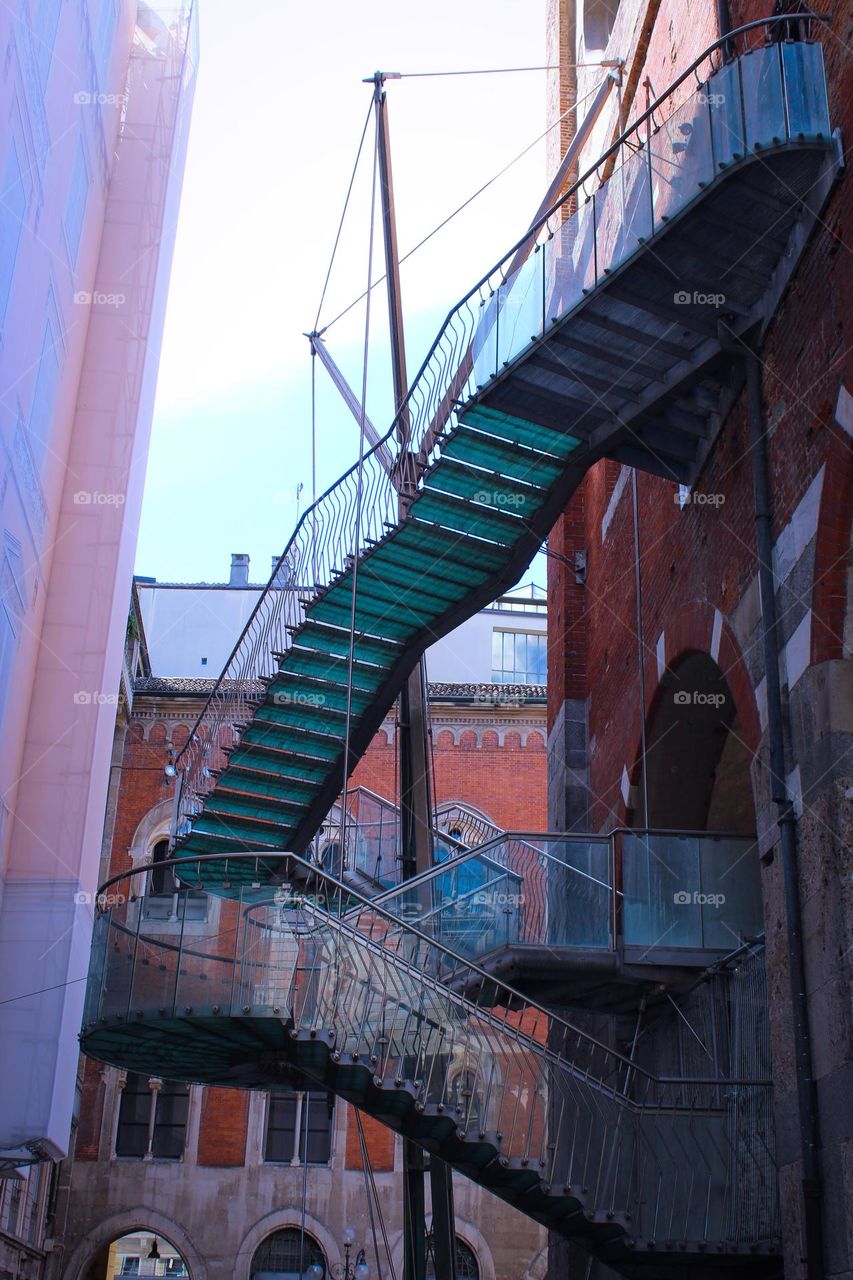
x,y
786,821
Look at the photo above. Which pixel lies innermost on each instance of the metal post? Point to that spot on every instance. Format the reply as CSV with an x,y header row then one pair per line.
x,y
443,1238
415,810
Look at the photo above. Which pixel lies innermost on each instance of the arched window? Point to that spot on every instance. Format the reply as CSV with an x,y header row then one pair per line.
x,y
162,878
467,1267
287,1255
598,19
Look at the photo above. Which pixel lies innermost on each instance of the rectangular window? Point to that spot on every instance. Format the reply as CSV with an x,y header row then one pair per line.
x,y
168,1105
519,657
75,204
44,395
13,204
304,1131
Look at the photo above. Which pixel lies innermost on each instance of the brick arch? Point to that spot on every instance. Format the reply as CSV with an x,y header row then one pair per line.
x,y
277,1221
490,740
534,741
698,628
122,1224
832,551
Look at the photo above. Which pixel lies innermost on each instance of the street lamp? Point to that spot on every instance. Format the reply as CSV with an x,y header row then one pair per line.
x,y
347,1270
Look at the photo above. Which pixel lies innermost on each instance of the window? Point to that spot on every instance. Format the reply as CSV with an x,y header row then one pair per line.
x,y
152,1118
519,657
44,394
598,19
11,1205
162,876
467,1267
13,204
299,1125
287,1255
75,205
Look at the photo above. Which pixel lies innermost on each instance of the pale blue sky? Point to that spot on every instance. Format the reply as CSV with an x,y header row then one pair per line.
x,y
278,113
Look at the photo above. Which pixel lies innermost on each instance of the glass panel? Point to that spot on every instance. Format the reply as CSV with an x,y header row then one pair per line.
x,y
722,94
134,1115
764,107
485,344
681,158
281,1126
579,893
661,884
170,1122
731,888
623,211
805,90
520,303
569,263
121,948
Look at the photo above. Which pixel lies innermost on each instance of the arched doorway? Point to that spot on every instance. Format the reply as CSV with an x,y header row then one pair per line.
x,y
467,1267
286,1255
697,761
684,889
138,1253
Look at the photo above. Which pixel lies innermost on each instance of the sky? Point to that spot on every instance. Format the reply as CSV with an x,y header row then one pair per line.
x,y
279,110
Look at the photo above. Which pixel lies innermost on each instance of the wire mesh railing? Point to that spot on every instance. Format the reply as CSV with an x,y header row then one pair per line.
x,y
759,86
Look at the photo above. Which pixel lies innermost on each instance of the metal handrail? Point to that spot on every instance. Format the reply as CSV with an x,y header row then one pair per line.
x,y
512,997
326,528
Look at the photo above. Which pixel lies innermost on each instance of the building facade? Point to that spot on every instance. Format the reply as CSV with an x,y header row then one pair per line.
x,y
224,1179
95,99
658,689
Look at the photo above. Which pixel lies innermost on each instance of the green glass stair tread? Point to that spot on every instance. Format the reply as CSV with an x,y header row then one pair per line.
x,y
366,679
303,770
368,619
476,553
504,426
369,599
329,721
444,568
296,689
214,825
245,791
285,790
264,809
326,638
464,518
485,487
482,451
382,578
291,738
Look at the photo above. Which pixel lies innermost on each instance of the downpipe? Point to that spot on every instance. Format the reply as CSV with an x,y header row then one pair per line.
x,y
786,822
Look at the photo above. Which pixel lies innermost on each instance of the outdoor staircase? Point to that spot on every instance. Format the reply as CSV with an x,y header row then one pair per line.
x,y
613,338
317,987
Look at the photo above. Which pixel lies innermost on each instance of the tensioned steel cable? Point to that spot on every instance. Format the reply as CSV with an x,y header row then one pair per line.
x,y
441,225
359,492
373,1194
343,216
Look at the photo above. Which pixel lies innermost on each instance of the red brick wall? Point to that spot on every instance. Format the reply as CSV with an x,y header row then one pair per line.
x,y
91,1111
378,1139
224,1121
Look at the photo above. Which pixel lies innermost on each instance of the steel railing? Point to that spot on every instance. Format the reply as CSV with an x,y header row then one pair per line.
x,y
669,1157
718,109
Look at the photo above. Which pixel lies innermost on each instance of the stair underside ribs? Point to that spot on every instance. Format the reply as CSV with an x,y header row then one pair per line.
x,y
634,372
